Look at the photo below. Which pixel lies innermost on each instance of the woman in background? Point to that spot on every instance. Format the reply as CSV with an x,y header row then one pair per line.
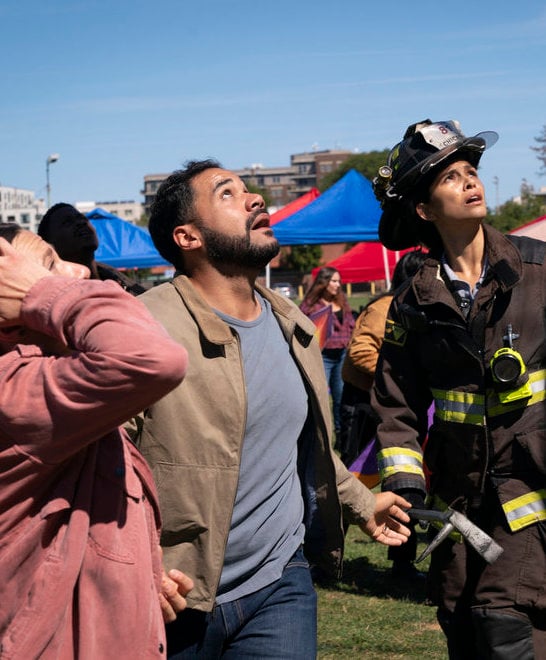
x,y
326,305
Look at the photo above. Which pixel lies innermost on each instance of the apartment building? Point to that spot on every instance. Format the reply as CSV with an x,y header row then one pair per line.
x,y
151,184
21,206
283,184
128,209
305,171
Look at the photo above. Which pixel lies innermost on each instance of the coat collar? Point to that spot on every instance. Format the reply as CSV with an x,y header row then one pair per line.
x,y
505,267
217,331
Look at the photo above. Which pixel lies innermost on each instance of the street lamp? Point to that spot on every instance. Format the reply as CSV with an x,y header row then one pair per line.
x,y
52,158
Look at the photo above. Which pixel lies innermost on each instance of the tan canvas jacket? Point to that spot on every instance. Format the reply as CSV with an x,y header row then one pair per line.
x,y
363,350
192,439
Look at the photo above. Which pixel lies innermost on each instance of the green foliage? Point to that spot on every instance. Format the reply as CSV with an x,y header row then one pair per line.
x,y
541,149
367,164
302,258
261,191
514,214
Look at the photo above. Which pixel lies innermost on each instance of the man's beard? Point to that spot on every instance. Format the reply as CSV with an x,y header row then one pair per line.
x,y
225,250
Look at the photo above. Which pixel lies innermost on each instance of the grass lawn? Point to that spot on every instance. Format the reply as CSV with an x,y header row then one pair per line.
x,y
369,614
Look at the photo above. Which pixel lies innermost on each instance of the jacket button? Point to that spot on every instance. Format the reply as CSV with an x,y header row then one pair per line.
x,y
161,648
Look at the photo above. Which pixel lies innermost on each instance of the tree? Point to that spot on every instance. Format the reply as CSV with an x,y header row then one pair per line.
x,y
367,164
513,214
541,149
261,191
302,258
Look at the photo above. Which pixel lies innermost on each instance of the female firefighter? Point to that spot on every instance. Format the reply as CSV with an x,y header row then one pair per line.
x,y
468,335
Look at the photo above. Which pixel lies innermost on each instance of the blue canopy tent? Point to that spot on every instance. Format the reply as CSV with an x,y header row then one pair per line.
x,y
121,244
347,212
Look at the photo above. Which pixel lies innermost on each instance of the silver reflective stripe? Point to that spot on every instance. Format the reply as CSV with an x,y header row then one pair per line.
x,y
461,407
525,510
399,459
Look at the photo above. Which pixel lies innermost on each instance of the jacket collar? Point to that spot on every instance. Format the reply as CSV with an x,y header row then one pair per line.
x,y
217,331
505,266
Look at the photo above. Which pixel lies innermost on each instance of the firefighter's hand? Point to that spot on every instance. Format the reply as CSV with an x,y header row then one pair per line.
x,y
384,525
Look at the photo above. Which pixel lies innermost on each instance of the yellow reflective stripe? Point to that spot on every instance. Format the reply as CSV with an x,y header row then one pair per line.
x,y
459,407
399,459
525,510
469,408
537,380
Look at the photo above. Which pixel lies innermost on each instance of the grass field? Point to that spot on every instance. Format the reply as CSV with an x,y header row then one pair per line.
x,y
370,614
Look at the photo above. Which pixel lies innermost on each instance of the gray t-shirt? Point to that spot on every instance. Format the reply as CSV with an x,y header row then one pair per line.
x,y
267,523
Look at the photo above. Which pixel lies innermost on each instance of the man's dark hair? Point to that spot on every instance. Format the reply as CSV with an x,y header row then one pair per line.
x,y
173,206
9,230
44,228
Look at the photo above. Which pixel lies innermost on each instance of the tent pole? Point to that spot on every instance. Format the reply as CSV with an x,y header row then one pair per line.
x,y
386,262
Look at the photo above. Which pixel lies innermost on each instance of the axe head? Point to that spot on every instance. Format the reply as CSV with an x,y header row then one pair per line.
x,y
484,545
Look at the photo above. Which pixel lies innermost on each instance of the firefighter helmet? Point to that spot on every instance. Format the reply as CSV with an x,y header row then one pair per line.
x,y
410,166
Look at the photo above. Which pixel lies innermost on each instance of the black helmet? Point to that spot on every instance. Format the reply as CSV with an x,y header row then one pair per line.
x,y
425,145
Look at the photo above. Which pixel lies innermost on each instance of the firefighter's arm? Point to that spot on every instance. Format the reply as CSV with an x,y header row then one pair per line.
x,y
379,515
401,399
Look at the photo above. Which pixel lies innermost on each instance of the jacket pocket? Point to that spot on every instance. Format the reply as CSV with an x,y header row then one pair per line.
x,y
114,518
195,500
529,452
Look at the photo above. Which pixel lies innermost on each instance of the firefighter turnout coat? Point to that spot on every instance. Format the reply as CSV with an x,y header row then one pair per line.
x,y
487,444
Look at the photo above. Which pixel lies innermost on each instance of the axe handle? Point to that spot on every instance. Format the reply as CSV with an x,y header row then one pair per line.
x,y
428,514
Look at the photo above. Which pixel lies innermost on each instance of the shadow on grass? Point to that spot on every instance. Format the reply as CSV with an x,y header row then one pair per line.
x,y
363,577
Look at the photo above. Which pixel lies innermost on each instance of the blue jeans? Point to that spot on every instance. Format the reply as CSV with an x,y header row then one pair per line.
x,y
278,621
333,362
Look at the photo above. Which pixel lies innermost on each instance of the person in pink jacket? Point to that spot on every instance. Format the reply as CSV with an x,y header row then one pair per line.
x,y
80,564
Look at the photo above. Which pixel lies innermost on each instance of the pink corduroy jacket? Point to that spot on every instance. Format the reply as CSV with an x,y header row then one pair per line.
x,y
79,557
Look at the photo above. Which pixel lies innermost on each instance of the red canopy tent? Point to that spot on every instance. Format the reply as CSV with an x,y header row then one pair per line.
x,y
534,229
294,206
365,262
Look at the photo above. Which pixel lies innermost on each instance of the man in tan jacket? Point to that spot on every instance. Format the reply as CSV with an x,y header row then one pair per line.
x,y
250,491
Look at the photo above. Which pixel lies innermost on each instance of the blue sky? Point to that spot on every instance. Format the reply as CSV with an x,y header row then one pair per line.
x,y
123,88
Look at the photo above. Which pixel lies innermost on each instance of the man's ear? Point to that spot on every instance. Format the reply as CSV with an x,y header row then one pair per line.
x,y
187,237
